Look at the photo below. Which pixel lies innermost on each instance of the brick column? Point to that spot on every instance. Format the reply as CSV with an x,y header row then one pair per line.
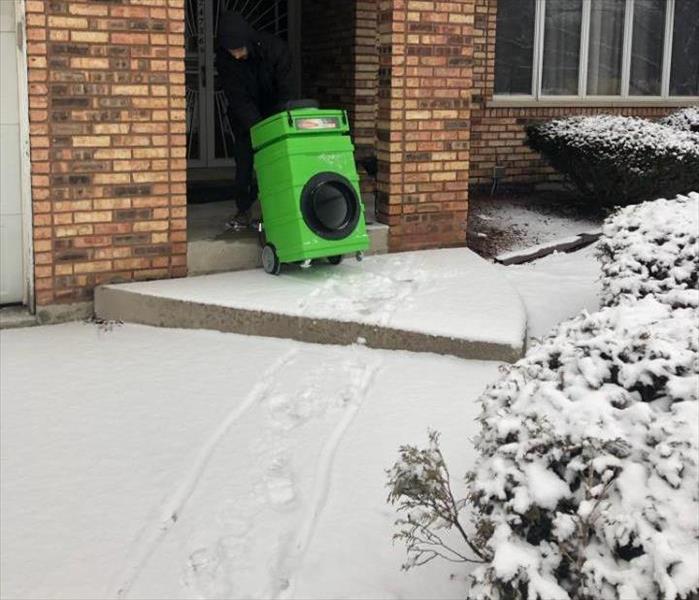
x,y
366,69
366,81
107,121
425,81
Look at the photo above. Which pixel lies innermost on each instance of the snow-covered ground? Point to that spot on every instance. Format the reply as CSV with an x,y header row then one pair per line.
x,y
151,463
556,287
162,463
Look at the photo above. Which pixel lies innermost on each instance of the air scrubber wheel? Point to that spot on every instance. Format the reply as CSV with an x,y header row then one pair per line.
x,y
270,260
335,260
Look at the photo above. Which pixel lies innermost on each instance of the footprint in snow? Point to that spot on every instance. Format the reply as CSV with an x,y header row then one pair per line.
x,y
288,412
209,570
279,483
202,573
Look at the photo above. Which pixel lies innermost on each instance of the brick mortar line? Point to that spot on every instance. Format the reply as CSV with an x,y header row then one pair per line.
x,y
404,84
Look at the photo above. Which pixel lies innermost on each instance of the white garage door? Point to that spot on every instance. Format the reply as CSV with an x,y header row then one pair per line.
x,y
11,249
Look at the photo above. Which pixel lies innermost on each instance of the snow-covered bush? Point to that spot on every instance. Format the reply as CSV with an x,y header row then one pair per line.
x,y
652,248
586,485
686,119
587,482
619,160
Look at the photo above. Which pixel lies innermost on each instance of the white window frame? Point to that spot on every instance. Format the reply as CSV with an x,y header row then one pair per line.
x,y
581,98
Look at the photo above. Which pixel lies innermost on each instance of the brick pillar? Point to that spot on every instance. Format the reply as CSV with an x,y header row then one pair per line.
x,y
425,81
366,70
107,126
366,80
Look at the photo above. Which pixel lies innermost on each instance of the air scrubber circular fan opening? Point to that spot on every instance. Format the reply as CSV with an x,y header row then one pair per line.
x,y
330,206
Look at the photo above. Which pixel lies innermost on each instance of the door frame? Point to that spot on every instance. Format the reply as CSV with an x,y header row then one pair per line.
x,y
25,155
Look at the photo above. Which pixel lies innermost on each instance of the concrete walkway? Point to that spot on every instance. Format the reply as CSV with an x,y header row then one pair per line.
x,y
447,301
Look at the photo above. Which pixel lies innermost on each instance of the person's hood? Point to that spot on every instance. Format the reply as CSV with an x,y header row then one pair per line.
x,y
235,32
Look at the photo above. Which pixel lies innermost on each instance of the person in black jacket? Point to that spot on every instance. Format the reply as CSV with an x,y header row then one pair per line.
x,y
255,72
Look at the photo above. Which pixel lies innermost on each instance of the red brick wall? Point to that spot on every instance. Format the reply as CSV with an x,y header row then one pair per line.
x,y
425,84
497,134
340,61
107,127
340,67
366,77
327,52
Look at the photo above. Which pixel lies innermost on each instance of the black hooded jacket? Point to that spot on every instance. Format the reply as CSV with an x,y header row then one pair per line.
x,y
259,85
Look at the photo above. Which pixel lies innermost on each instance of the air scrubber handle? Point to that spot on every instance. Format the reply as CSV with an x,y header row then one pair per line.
x,y
294,104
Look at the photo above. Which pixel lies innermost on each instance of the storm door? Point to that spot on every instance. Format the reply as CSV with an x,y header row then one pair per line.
x,y
209,133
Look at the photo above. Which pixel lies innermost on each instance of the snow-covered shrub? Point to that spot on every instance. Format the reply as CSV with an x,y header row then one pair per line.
x,y
652,248
685,119
421,486
586,486
619,160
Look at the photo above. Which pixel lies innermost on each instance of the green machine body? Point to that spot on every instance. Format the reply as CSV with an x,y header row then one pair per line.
x,y
308,188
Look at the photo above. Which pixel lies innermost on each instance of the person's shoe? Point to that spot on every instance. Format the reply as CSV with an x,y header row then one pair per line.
x,y
240,222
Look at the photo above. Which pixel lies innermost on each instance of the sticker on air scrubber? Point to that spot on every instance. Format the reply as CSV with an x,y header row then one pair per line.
x,y
317,123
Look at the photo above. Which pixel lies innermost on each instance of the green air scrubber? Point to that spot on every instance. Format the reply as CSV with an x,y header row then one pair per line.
x,y
308,188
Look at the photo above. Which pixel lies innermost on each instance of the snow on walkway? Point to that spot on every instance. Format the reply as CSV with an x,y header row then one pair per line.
x,y
556,287
149,463
152,463
449,292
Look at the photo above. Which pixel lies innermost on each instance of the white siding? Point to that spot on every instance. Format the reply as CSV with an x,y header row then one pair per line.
x,y
11,249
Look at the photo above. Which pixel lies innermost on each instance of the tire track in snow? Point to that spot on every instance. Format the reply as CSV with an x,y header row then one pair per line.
x,y
321,485
155,531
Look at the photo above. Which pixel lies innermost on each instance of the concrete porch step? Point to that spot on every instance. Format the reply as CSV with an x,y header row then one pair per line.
x,y
238,251
211,249
447,301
